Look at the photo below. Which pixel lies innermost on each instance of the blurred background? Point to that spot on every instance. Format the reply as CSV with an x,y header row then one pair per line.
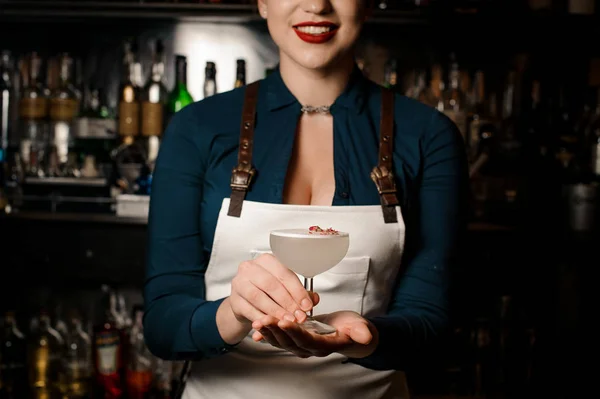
x,y
87,88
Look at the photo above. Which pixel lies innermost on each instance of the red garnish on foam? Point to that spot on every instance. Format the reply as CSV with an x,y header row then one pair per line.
x,y
320,231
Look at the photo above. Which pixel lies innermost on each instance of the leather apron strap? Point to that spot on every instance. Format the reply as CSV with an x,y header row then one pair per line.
x,y
382,174
242,174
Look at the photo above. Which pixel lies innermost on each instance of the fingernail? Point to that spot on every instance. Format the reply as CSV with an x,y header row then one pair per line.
x,y
306,304
299,315
289,317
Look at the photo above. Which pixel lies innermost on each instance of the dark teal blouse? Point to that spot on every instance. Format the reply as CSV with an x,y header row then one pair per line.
x,y
192,177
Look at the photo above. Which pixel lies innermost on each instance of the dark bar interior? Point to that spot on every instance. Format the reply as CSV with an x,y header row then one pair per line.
x,y
520,78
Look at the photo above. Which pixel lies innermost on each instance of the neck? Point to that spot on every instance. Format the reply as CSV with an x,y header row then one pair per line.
x,y
316,87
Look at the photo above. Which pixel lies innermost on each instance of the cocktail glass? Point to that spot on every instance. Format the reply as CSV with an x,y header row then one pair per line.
x,y
308,254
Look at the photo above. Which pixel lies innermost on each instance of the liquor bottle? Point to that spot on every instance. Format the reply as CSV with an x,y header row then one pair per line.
x,y
64,107
154,99
96,128
240,79
210,79
566,139
179,97
140,360
7,97
479,117
44,358
129,159
13,358
33,111
129,94
154,95
455,99
108,346
162,376
391,75
15,175
6,105
3,195
77,361
419,90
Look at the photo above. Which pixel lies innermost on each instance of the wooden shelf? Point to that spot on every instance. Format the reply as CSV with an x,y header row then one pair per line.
x,y
72,9
94,218
478,27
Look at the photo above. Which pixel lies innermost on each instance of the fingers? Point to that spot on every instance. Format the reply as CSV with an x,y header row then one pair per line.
x,y
315,298
316,345
271,333
257,336
361,334
269,288
258,298
262,291
278,295
243,310
288,278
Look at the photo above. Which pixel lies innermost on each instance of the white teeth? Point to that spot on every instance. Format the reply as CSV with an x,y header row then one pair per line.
x,y
314,30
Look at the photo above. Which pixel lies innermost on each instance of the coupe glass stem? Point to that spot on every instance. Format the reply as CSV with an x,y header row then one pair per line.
x,y
308,286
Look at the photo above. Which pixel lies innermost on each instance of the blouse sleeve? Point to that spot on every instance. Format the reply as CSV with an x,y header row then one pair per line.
x,y
179,324
419,313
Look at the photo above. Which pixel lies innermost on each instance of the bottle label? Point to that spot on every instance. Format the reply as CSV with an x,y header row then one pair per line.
x,y
129,119
76,369
33,108
108,345
76,374
95,128
63,109
152,119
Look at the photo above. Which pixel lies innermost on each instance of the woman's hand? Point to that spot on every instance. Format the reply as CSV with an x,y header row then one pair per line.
x,y
356,337
264,287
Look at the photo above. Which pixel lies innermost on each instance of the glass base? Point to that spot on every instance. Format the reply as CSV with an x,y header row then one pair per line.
x,y
317,327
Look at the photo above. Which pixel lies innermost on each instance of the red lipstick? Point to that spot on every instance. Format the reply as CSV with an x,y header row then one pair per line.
x,y
319,37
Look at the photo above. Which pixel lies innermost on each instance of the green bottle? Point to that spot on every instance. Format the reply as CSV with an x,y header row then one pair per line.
x,y
391,75
180,97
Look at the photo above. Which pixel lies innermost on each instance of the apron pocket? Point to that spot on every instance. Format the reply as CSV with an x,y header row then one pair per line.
x,y
341,287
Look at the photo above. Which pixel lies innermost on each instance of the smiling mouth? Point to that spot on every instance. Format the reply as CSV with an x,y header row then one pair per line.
x,y
316,30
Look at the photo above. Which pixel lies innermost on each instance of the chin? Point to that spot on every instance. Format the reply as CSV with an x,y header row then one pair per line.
x,y
312,56
315,59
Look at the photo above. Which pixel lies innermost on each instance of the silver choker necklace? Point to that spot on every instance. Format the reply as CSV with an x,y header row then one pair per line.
x,y
309,109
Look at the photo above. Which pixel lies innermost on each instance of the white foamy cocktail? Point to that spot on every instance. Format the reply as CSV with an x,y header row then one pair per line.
x,y
309,252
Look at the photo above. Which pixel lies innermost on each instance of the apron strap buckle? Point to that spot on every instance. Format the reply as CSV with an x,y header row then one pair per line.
x,y
240,182
241,178
386,186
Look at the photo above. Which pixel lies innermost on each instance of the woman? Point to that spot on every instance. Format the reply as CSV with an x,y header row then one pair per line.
x,y
313,143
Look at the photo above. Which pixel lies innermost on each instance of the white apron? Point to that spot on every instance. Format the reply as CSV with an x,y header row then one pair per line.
x,y
363,282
